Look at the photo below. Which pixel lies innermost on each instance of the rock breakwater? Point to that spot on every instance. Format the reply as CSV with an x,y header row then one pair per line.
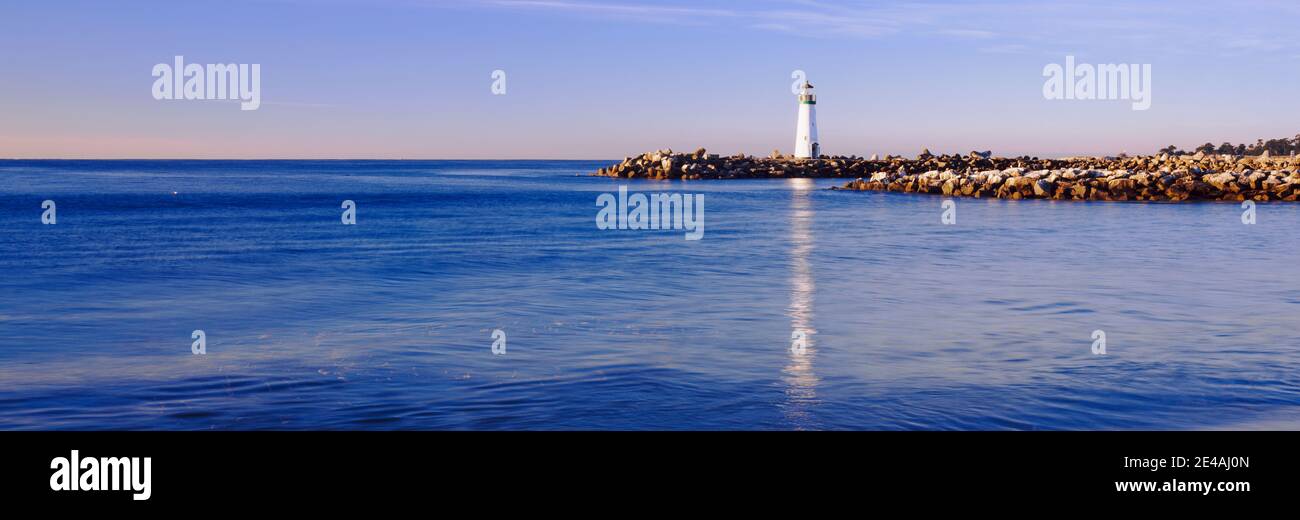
x,y
1149,178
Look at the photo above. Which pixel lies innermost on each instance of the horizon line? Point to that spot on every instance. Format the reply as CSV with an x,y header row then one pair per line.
x,y
1041,156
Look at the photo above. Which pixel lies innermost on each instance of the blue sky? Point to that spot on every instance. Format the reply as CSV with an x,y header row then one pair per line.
x,y
601,80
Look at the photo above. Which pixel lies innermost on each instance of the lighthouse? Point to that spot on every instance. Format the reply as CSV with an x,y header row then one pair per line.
x,y
806,145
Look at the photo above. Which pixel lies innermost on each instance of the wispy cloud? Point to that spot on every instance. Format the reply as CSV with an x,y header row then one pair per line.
x,y
1006,48
1253,44
1007,26
968,33
657,12
808,18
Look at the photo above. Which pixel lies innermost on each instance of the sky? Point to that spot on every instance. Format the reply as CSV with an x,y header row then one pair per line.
x,y
588,79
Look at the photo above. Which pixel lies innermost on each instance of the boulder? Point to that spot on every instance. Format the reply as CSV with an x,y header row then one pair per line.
x,y
1044,188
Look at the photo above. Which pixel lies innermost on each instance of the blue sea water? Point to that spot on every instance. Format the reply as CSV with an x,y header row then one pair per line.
x,y
911,324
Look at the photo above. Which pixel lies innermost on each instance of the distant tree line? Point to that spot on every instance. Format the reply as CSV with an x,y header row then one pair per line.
x,y
1272,146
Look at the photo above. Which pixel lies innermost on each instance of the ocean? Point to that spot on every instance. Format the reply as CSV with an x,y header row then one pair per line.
x,y
482,295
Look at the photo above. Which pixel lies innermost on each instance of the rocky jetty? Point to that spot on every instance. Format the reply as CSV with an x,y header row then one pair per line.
x,y
979,174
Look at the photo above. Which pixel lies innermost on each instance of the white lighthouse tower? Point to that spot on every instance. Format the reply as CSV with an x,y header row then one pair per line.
x,y
806,145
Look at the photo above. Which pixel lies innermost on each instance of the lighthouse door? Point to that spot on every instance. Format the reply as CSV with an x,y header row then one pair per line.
x,y
816,150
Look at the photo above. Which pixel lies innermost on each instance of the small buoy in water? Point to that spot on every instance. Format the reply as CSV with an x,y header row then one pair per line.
x,y
174,194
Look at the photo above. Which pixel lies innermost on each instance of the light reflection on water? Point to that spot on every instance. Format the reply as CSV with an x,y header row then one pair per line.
x,y
799,372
